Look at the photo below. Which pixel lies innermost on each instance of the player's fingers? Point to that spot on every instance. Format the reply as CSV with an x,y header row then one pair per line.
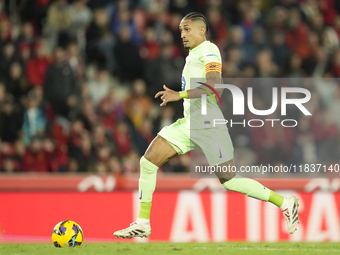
x,y
165,87
159,93
164,102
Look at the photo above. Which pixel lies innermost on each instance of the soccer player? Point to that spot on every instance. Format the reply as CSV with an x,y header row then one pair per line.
x,y
204,60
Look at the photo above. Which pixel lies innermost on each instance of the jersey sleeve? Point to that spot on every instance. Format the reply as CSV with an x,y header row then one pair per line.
x,y
211,58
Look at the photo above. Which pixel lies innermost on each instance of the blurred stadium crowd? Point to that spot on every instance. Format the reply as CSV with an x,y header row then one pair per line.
x,y
78,78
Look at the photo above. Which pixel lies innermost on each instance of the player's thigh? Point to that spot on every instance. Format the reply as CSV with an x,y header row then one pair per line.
x,y
160,151
215,143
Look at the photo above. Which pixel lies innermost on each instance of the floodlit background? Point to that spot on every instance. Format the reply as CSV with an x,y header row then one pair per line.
x,y
77,110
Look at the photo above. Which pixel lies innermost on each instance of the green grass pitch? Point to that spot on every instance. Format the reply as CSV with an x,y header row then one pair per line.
x,y
174,248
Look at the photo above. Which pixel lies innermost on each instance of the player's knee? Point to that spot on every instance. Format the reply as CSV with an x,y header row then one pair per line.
x,y
224,177
147,166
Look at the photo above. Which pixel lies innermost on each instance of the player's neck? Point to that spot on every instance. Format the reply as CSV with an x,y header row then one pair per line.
x,y
198,44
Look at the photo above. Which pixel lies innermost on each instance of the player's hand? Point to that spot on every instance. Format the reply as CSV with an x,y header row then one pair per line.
x,y
168,95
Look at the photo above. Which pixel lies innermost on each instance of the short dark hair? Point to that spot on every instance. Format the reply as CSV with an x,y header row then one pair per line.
x,y
199,16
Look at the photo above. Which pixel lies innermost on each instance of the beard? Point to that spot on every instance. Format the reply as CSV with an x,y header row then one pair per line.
x,y
187,47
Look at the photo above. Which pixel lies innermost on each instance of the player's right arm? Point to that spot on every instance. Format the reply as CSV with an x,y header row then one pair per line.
x,y
212,77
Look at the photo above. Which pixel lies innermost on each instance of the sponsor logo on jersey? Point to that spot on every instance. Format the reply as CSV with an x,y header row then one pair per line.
x,y
212,55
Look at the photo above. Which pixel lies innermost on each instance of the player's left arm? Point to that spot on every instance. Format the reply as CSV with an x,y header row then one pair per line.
x,y
212,78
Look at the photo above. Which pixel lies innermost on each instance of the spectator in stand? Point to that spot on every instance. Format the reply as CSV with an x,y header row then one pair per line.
x,y
175,19
166,118
129,62
100,87
252,48
114,166
101,137
36,159
35,11
76,61
280,50
138,105
130,162
217,26
265,65
122,138
277,20
297,33
35,120
149,49
83,156
234,59
249,21
111,110
144,137
236,38
24,55
58,22
100,41
11,120
81,16
60,86
37,65
5,27
328,11
295,67
167,39
60,138
106,114
26,34
163,70
8,56
19,152
103,154
9,165
122,19
87,113
17,83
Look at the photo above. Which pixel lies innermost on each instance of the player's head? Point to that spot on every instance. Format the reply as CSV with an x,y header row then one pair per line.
x,y
194,29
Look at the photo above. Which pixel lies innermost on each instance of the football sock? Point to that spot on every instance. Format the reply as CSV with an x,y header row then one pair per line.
x,y
147,185
144,210
276,199
247,186
284,204
142,221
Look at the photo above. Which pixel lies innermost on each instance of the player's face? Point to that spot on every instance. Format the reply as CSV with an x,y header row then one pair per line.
x,y
192,33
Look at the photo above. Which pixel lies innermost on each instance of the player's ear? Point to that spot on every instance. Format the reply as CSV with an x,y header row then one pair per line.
x,y
202,31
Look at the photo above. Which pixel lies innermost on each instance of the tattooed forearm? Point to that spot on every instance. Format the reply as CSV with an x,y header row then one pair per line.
x,y
212,78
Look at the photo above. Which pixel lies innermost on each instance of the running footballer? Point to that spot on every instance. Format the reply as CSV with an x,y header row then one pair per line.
x,y
204,61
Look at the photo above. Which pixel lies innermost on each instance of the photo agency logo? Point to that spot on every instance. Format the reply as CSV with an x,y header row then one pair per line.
x,y
239,103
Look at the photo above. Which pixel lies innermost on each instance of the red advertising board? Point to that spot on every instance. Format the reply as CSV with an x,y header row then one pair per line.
x,y
180,216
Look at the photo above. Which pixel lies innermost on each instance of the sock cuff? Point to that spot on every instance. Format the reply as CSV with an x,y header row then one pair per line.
x,y
146,166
